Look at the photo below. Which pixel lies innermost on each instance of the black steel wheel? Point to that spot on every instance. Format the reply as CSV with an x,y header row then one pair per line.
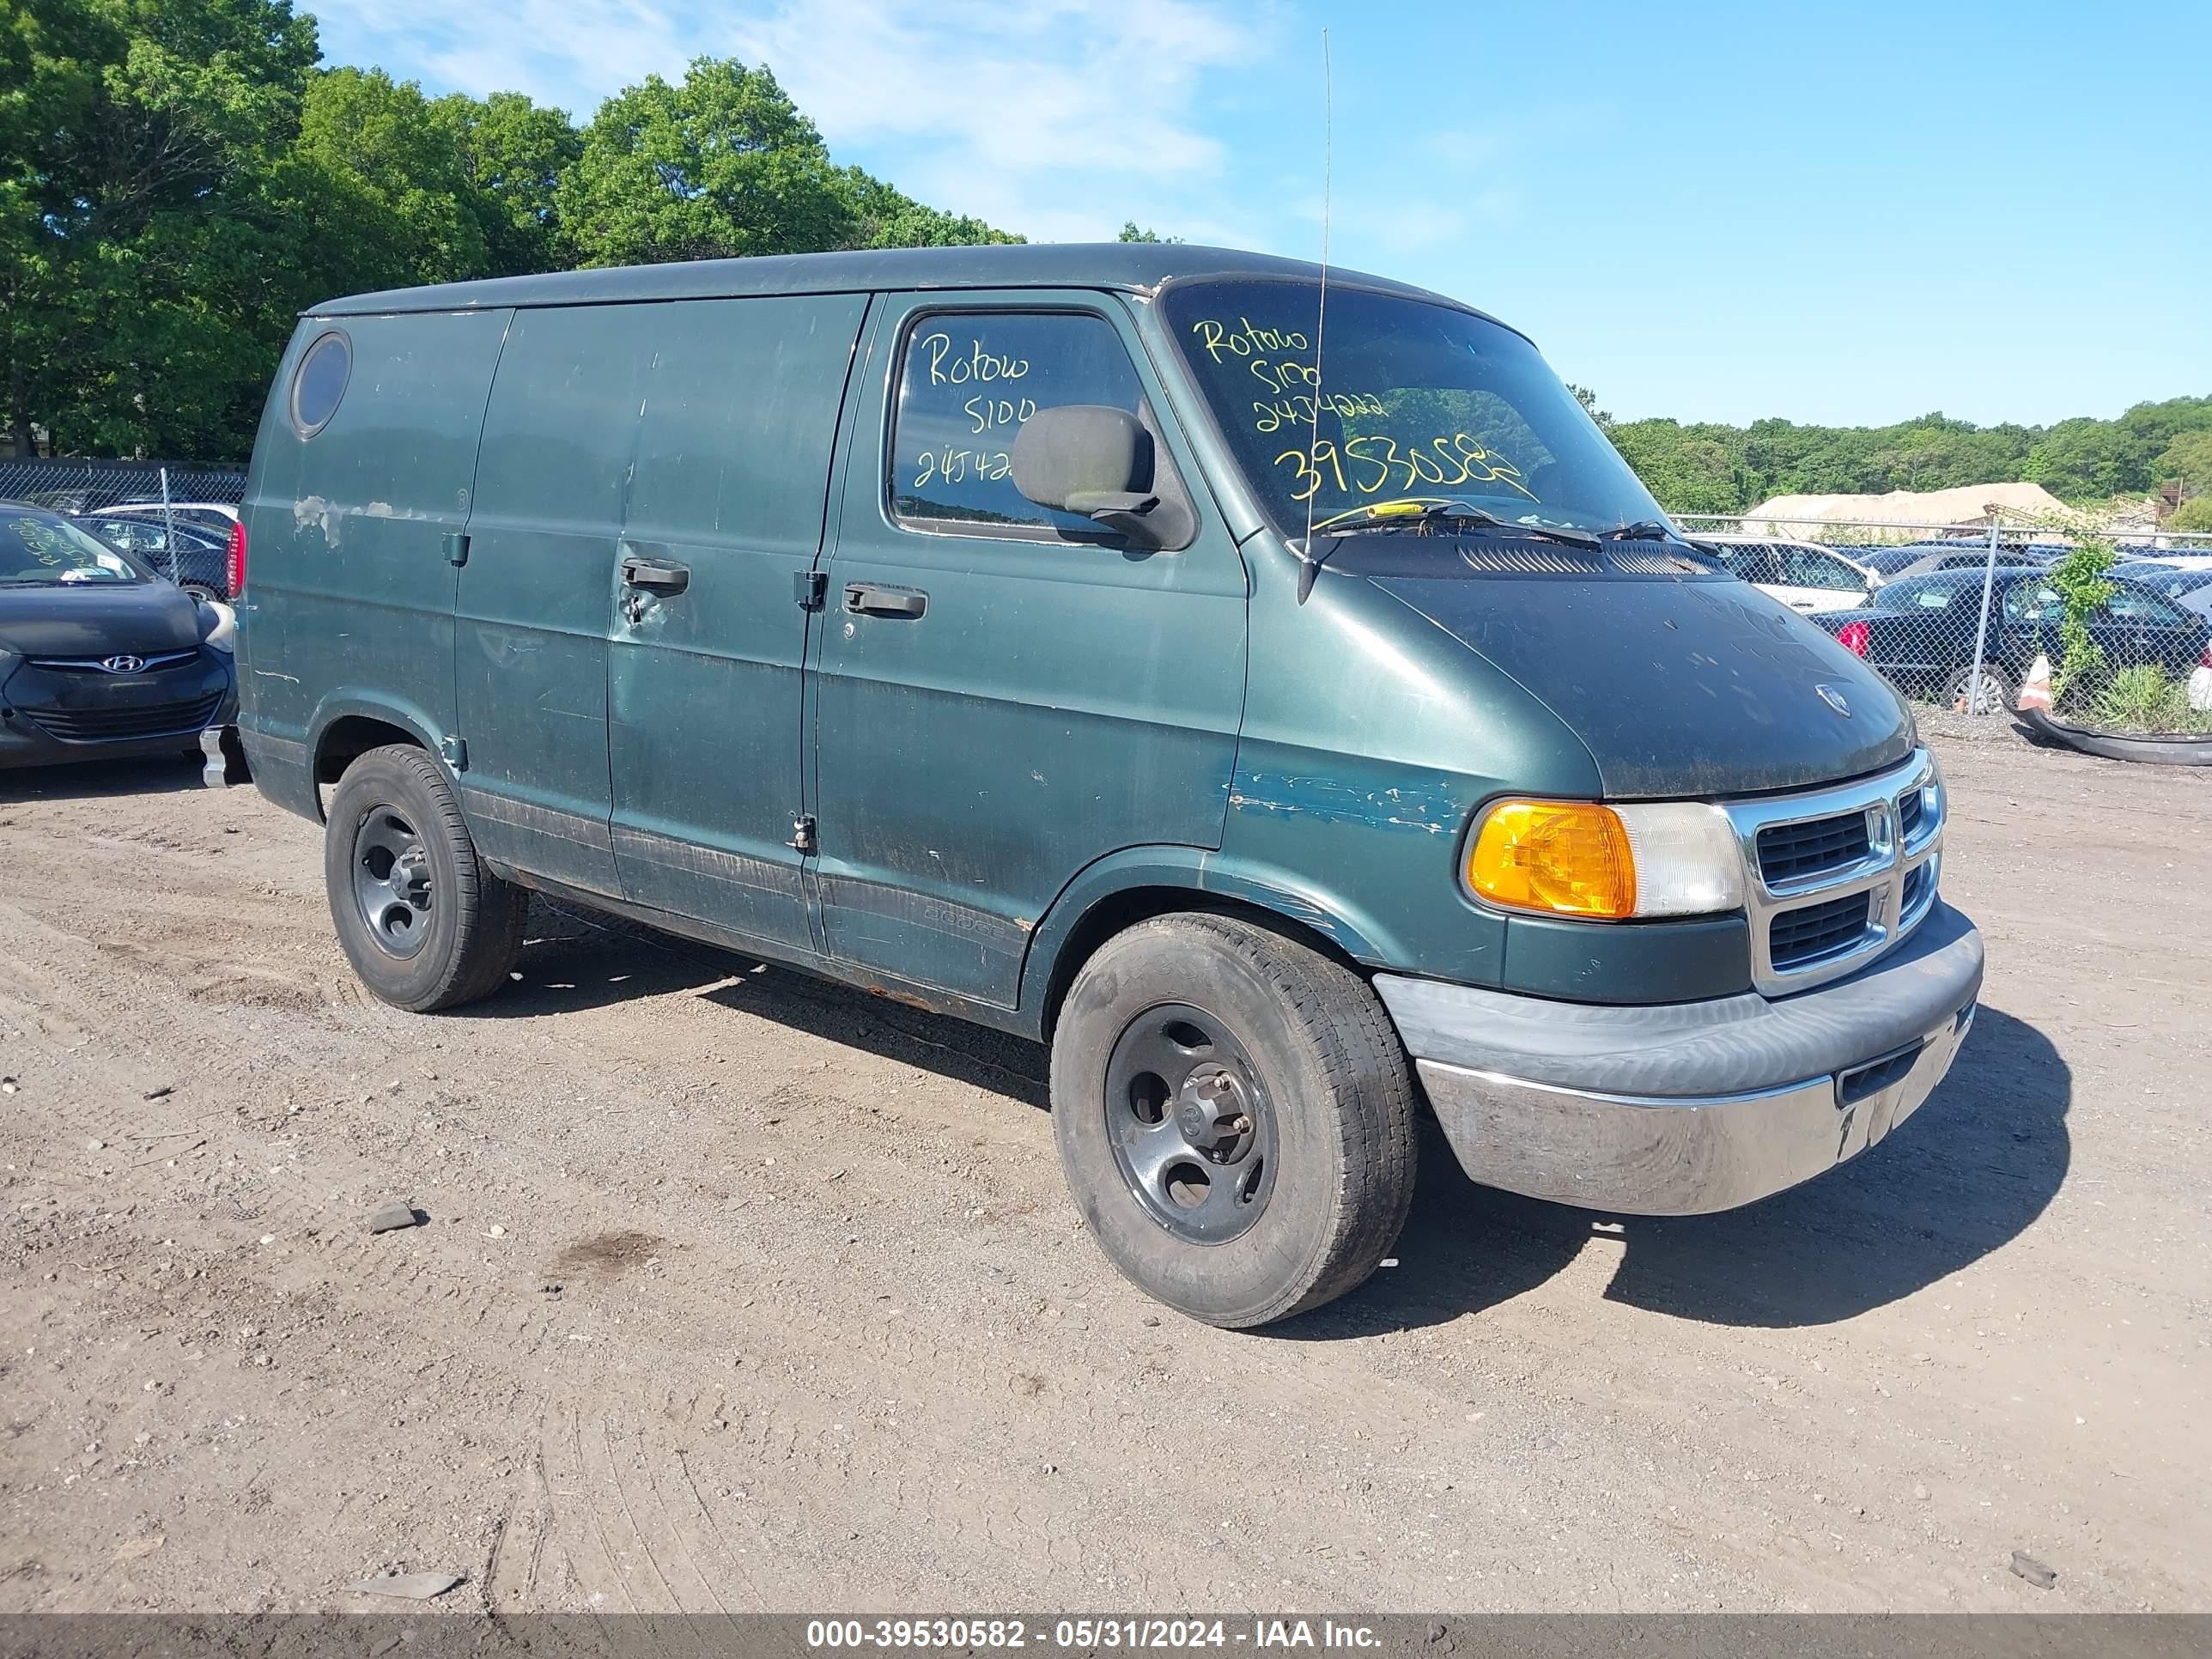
x,y
391,881
1192,1127
424,923
1235,1117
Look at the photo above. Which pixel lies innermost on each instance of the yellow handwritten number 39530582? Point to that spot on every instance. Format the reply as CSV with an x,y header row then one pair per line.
x,y
1455,460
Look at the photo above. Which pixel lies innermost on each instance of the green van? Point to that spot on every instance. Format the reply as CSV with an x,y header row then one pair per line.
x,y
1279,699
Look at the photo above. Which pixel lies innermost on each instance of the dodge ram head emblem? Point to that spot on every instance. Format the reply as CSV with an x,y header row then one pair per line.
x,y
1834,699
126,664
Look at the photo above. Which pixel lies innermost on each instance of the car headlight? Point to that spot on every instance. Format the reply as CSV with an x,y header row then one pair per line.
x,y
1607,863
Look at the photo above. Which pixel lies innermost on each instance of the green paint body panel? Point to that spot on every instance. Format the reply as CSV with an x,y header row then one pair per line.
x,y
730,482
1096,694
1065,727
356,614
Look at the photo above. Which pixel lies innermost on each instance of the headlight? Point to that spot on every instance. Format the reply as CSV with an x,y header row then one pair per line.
x,y
1607,863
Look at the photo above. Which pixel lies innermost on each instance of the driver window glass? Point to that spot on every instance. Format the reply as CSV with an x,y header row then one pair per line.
x,y
1804,567
1753,562
2142,608
968,382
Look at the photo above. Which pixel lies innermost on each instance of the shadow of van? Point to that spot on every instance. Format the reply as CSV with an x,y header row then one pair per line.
x,y
1965,1174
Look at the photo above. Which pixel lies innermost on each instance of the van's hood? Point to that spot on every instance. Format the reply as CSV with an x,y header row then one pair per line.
x,y
1677,688
87,619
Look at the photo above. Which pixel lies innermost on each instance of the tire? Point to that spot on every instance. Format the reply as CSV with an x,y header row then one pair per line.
x,y
458,944
1998,693
1300,1052
201,591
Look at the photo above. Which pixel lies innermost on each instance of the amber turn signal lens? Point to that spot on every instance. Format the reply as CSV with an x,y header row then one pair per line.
x,y
1565,857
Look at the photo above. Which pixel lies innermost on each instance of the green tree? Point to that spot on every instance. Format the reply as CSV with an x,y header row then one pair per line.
x,y
397,164
719,164
1129,233
2188,459
882,217
2084,458
128,134
1587,399
512,153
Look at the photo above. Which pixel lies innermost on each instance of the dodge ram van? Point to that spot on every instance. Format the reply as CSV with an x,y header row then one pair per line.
x,y
1288,713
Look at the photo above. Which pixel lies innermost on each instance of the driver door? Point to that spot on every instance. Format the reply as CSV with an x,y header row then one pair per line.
x,y
1002,694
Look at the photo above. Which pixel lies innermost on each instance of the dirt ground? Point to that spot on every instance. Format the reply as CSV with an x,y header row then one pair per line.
x,y
738,1292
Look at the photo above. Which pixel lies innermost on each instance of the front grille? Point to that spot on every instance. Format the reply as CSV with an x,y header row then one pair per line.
x,y
1918,882
1908,814
1789,851
1838,875
155,665
154,720
1796,938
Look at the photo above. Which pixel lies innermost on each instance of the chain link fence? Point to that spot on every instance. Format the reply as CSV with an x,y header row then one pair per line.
x,y
2107,632
72,485
175,516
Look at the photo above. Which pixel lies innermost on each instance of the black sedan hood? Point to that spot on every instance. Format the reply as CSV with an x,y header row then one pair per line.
x,y
1696,687
97,619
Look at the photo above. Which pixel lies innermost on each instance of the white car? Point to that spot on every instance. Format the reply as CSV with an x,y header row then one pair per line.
x,y
2171,561
1804,575
219,515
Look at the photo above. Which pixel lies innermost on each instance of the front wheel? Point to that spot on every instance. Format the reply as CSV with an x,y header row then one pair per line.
x,y
424,924
1235,1118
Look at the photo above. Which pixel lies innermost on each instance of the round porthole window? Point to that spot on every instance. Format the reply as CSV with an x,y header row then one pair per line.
x,y
320,382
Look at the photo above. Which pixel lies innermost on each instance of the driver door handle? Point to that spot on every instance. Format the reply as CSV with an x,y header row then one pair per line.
x,y
656,575
866,599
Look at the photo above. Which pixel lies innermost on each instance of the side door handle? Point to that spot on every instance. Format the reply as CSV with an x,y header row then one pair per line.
x,y
656,575
866,599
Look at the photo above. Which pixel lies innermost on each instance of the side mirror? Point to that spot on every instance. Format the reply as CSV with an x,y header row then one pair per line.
x,y
1092,459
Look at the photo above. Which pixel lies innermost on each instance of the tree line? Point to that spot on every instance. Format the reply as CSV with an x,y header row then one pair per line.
x,y
180,178
1704,467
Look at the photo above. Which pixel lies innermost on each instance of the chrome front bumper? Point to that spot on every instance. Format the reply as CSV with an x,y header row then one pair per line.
x,y
1686,1109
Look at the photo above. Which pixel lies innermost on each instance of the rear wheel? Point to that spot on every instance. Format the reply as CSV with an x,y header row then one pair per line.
x,y
423,923
1993,691
201,591
1234,1116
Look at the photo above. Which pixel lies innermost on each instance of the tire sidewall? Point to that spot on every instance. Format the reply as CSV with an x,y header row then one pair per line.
x,y
380,780
1258,1275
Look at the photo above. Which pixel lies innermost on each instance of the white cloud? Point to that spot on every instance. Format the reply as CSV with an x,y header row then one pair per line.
x,y
1059,119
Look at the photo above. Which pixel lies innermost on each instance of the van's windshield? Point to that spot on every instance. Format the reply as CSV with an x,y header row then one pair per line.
x,y
1418,401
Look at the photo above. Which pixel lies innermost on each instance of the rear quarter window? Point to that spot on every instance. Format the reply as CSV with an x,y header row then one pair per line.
x,y
318,383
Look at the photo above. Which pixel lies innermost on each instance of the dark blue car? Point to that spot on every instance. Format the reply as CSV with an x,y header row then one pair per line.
x,y
99,658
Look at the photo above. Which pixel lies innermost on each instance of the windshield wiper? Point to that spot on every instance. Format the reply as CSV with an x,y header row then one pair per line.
x,y
1393,515
1646,529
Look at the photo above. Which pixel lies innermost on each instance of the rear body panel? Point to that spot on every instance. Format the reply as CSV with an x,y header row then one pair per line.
x,y
349,607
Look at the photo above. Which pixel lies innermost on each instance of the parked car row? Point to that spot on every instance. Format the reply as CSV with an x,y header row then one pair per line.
x,y
188,541
1920,634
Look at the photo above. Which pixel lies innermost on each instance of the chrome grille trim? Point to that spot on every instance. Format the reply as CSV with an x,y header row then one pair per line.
x,y
99,664
1890,858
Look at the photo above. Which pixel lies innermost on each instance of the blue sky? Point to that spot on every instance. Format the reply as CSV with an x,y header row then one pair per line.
x,y
1716,211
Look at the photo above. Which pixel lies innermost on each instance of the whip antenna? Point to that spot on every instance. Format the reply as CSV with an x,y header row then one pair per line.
x,y
1321,315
